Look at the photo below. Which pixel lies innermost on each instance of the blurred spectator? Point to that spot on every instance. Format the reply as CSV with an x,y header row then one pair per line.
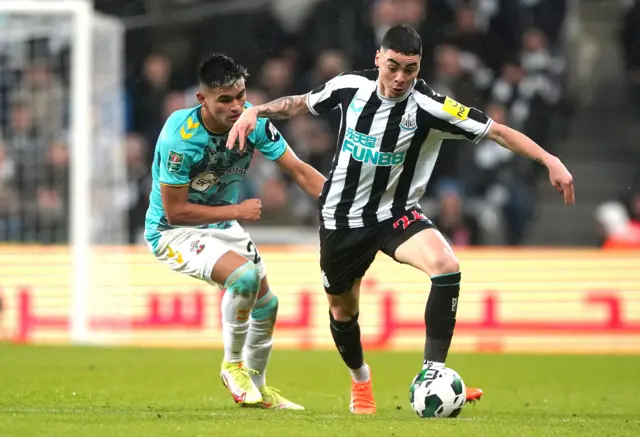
x,y
53,197
313,141
329,64
457,80
276,80
503,179
630,38
549,16
458,226
466,35
620,226
9,200
528,100
149,93
45,95
256,96
138,184
538,60
266,182
276,77
382,16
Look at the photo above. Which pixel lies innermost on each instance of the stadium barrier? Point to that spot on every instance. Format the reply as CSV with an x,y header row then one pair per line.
x,y
530,301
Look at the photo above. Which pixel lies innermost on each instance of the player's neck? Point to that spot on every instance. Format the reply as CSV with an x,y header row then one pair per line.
x,y
211,125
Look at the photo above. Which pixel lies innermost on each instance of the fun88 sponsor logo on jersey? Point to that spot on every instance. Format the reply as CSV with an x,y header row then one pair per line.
x,y
363,148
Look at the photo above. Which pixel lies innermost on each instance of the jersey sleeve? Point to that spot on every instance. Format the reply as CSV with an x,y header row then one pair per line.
x,y
326,97
174,162
454,120
268,140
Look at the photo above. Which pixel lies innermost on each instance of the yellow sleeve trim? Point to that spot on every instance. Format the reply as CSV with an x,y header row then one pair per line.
x,y
175,185
282,156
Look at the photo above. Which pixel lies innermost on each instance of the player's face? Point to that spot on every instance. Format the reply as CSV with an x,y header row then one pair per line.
x,y
397,72
225,105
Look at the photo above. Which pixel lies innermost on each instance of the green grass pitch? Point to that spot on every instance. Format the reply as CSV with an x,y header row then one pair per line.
x,y
67,391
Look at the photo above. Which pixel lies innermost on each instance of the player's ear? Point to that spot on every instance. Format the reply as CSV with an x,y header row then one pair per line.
x,y
201,98
377,60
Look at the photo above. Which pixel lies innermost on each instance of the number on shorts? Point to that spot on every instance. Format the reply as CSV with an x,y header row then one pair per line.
x,y
251,248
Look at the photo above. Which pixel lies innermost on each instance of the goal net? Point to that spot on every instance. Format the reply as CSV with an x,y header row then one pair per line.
x,y
62,163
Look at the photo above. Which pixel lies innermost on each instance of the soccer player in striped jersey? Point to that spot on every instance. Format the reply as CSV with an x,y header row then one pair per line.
x,y
191,224
392,128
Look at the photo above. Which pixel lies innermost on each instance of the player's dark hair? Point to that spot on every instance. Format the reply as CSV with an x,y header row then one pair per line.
x,y
220,71
403,39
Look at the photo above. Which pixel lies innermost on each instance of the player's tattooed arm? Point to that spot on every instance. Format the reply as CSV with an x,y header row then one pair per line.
x,y
279,109
284,107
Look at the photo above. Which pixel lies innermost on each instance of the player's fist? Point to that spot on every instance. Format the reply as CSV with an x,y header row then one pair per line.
x,y
250,210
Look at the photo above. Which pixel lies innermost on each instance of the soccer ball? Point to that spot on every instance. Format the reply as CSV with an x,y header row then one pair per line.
x,y
437,393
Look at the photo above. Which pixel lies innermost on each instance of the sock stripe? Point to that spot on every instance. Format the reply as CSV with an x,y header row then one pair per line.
x,y
447,280
444,275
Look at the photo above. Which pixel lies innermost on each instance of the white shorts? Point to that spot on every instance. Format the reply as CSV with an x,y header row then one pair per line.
x,y
195,252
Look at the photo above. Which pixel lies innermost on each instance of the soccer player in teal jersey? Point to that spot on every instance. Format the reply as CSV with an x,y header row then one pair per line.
x,y
191,221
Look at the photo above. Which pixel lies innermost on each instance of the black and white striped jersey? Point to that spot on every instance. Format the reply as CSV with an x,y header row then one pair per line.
x,y
387,148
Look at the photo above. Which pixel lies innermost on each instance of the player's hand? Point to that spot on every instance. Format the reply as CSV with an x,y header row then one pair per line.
x,y
562,180
242,128
250,210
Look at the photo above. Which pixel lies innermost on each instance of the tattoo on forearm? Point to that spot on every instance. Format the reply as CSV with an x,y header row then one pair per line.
x,y
281,108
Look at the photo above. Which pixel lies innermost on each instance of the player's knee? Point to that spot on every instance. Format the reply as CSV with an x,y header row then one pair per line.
x,y
342,310
343,324
245,280
266,310
442,264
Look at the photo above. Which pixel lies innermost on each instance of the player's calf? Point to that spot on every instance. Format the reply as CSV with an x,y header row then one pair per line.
x,y
430,252
260,338
241,287
345,330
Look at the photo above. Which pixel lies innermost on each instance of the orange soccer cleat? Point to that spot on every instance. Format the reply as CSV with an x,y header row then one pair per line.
x,y
474,394
362,401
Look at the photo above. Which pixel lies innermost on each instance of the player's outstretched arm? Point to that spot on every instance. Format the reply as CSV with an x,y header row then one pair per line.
x,y
280,109
307,177
519,143
180,212
283,108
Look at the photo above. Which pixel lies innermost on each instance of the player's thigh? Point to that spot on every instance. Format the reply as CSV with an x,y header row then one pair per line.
x,y
238,240
421,245
345,256
199,254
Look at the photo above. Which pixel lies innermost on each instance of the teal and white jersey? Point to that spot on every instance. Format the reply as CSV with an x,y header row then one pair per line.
x,y
188,154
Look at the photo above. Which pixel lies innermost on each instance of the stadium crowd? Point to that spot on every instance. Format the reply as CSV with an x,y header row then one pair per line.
x,y
502,56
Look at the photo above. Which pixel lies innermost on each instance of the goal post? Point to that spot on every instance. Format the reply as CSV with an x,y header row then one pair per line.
x,y
92,105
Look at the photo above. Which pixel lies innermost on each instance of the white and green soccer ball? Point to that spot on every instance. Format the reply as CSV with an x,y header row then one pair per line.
x,y
437,393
